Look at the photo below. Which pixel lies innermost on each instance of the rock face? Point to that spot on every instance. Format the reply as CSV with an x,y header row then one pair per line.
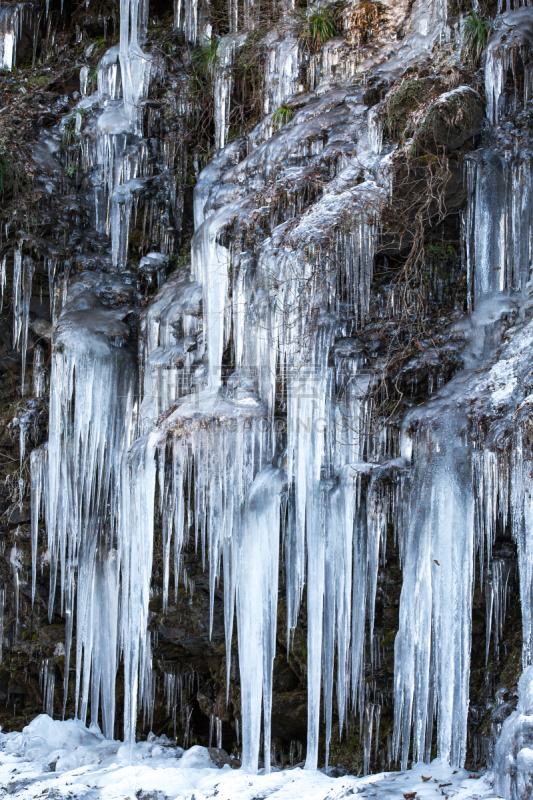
x,y
450,120
265,354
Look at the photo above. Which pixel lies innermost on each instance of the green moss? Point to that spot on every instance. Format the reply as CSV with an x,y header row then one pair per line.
x,y
401,102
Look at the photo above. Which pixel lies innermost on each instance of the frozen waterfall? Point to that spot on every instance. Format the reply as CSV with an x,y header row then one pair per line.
x,y
236,410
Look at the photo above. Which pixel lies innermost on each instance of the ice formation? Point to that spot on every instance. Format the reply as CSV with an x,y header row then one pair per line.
x,y
513,762
279,285
12,17
77,481
509,57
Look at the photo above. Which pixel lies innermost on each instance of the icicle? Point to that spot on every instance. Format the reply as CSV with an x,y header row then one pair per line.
x,y
257,601
210,266
22,284
226,49
135,65
496,602
47,679
135,554
508,53
9,33
92,380
282,72
38,464
84,77
16,565
367,737
432,658
108,77
186,18
38,372
2,281
2,608
375,129
498,223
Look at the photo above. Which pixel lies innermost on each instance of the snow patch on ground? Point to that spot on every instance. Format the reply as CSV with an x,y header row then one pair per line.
x,y
53,759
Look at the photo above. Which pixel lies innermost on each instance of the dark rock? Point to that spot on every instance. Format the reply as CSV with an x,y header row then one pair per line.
x,y
155,795
18,514
219,757
501,713
450,120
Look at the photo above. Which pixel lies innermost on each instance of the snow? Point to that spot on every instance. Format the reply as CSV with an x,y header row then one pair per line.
x,y
67,760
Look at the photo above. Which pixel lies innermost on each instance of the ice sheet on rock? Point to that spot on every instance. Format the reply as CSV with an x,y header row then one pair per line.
x,y
108,76
154,264
169,353
114,120
210,177
44,153
122,202
282,70
427,26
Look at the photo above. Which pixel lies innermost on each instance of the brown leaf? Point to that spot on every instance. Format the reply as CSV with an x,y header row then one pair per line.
x,y
409,795
426,779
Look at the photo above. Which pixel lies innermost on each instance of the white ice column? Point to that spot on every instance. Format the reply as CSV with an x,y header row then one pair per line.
x,y
432,648
257,604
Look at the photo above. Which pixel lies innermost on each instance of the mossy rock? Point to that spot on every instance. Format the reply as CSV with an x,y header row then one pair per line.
x,y
450,121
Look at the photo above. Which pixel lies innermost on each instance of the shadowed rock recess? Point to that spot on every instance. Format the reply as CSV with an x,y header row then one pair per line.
x,y
266,353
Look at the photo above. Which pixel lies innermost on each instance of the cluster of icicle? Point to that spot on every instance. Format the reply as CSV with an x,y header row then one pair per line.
x,y
324,484
12,19
77,476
